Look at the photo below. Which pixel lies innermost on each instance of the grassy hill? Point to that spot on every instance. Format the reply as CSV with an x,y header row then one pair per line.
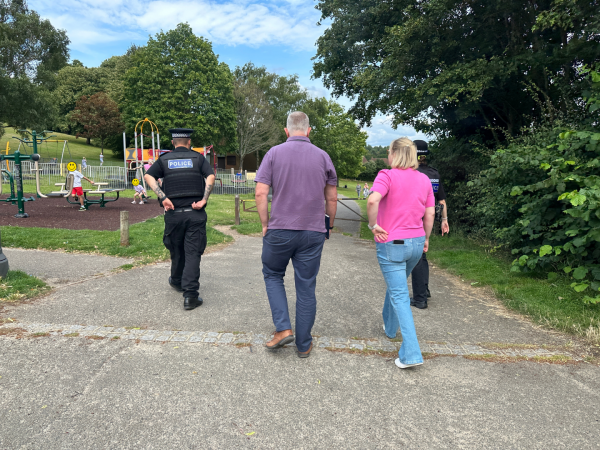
x,y
77,147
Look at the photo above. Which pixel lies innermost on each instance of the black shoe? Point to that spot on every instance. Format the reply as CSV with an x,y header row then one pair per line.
x,y
192,302
412,302
177,287
419,305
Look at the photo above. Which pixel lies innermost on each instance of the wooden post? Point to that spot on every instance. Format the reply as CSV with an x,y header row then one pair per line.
x,y
125,228
237,209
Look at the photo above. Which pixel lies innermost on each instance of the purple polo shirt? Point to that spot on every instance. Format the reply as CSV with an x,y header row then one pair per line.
x,y
298,172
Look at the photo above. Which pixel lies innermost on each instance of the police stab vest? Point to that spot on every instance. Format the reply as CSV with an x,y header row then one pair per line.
x,y
182,174
433,175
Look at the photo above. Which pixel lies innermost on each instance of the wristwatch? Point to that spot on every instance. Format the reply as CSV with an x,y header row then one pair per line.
x,y
372,227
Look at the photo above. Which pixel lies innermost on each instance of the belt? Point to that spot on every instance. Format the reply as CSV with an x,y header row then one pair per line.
x,y
189,209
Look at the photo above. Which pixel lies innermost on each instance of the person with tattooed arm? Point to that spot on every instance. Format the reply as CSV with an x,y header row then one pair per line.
x,y
188,181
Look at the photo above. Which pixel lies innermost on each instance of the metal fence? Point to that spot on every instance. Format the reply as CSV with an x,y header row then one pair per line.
x,y
233,184
117,177
50,174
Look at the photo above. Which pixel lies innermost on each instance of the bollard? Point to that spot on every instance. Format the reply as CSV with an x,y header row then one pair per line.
x,y
125,228
237,209
3,262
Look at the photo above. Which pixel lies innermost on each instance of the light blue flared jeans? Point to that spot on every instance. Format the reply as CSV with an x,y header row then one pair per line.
x,y
397,262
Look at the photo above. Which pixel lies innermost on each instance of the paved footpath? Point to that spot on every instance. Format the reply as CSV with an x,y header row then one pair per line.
x,y
115,362
347,213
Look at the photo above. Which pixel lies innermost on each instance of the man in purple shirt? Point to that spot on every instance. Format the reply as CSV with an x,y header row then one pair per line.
x,y
304,182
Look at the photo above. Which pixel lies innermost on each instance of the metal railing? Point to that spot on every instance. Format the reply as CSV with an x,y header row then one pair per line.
x,y
120,178
50,174
236,184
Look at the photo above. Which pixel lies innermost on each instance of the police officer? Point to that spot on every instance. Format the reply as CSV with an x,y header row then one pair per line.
x,y
420,274
184,193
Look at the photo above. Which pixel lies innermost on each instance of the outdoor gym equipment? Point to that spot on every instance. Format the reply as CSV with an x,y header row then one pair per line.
x,y
18,199
16,176
3,262
102,201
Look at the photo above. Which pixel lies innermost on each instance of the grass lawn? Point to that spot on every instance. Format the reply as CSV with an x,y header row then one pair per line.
x,y
551,304
19,286
77,147
145,239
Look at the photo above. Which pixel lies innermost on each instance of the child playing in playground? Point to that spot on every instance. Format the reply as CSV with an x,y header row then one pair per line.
x,y
139,192
77,192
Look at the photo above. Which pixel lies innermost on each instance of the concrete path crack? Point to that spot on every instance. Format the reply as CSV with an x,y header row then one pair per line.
x,y
505,350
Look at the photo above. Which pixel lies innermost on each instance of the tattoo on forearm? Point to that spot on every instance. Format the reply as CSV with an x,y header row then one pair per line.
x,y
207,191
154,186
159,193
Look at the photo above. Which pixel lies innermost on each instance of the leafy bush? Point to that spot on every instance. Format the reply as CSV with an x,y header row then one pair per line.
x,y
371,169
561,215
542,197
459,161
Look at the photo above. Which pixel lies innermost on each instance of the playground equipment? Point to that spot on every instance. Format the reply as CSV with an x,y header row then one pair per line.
x,y
136,157
18,199
102,201
16,178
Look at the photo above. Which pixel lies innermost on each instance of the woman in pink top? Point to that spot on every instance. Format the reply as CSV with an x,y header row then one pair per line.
x,y
401,210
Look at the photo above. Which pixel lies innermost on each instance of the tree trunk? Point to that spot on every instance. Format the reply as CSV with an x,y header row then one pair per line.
x,y
88,141
257,161
102,146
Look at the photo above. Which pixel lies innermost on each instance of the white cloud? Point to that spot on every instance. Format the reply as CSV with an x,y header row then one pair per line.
x,y
232,22
381,132
93,26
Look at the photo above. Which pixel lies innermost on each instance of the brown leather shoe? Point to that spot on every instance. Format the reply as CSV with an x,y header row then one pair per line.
x,y
305,354
280,339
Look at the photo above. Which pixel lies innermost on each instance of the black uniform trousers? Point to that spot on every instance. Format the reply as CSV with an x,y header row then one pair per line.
x,y
420,281
185,238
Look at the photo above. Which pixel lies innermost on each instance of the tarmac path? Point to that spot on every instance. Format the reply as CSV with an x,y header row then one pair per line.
x,y
347,212
115,362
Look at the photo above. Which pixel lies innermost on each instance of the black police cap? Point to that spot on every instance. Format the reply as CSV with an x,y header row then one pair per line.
x,y
421,147
178,133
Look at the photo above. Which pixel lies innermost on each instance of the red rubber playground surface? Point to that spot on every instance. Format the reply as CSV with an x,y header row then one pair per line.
x,y
57,213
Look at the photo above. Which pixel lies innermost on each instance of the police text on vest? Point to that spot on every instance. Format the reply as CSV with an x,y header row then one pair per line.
x,y
181,164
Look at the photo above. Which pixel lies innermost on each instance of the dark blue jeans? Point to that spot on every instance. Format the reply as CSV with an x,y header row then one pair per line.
x,y
304,249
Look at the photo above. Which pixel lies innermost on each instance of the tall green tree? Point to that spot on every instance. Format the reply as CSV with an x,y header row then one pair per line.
x,y
73,82
31,52
99,116
284,93
336,132
256,128
176,80
455,67
113,71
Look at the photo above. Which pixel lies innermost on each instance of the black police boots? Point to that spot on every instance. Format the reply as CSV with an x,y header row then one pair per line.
x,y
192,302
177,287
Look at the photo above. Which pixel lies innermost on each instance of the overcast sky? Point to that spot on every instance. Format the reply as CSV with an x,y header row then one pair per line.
x,y
278,34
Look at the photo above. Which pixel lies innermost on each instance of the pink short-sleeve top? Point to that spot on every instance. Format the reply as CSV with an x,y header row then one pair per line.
x,y
406,193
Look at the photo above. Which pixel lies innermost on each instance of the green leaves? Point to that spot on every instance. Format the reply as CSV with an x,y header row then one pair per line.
x,y
580,273
336,132
579,287
545,250
176,80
